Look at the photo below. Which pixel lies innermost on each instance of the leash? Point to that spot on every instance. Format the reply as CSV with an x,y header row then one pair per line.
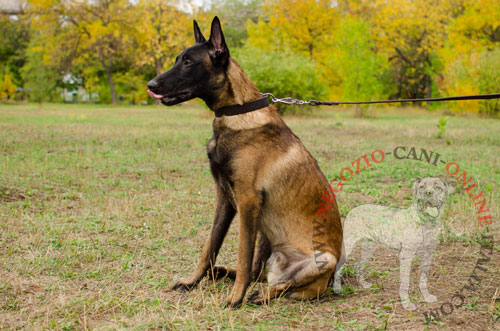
x,y
264,102
291,101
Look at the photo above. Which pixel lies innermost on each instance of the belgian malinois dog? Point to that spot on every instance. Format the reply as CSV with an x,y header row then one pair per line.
x,y
263,172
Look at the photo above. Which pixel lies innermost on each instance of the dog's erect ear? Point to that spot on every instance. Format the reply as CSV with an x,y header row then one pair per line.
x,y
450,187
218,48
198,36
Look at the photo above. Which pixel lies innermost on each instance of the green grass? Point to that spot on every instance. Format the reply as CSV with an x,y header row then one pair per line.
x,y
102,209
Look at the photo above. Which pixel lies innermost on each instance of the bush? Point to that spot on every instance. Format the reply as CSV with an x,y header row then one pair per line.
x,y
489,80
7,88
282,74
131,88
40,79
353,58
474,73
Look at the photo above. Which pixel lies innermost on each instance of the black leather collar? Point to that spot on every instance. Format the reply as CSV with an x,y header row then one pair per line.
x,y
244,108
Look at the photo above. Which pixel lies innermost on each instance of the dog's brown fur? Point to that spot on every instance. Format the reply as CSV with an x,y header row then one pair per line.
x,y
263,172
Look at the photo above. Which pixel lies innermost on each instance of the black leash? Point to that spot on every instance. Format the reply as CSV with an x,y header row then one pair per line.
x,y
290,101
264,102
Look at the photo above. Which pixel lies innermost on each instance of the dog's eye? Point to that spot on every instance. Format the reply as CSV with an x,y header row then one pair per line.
x,y
186,62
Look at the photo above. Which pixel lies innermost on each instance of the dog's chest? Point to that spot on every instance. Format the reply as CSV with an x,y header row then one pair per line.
x,y
219,156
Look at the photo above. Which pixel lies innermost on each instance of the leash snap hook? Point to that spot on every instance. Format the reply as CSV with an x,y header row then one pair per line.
x,y
273,98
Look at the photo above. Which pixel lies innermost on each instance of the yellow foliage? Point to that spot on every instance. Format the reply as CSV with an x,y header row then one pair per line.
x,y
463,88
304,26
160,39
417,25
475,26
7,88
471,32
422,44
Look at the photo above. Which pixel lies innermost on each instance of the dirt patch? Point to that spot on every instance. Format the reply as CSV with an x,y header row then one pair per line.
x,y
11,194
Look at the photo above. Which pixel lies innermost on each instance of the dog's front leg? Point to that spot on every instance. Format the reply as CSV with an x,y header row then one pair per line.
x,y
248,211
425,266
224,214
405,259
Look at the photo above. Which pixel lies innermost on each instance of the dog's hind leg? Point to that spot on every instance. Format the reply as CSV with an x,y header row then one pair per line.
x,y
367,250
348,244
224,214
262,253
271,292
303,278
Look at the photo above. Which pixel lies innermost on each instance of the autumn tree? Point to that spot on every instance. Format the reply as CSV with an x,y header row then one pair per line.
x,y
409,32
304,26
14,38
84,33
471,54
7,87
164,32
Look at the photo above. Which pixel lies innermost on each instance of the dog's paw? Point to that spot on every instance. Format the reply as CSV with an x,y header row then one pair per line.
x,y
365,284
183,286
257,298
233,304
337,288
220,272
408,305
430,298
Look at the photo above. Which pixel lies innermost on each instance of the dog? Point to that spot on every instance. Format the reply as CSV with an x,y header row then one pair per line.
x,y
410,232
262,172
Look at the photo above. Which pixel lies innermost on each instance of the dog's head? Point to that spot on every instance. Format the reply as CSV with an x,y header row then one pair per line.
x,y
430,195
198,70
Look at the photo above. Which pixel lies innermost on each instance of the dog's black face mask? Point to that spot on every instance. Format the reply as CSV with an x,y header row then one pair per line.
x,y
198,71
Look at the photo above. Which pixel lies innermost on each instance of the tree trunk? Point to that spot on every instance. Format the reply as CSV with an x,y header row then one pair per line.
x,y
109,75
158,66
428,86
114,97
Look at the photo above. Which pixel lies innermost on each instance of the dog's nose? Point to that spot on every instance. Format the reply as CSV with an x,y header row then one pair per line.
x,y
428,192
152,84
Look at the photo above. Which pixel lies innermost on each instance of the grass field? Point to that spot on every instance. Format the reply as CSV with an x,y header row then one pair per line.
x,y
102,209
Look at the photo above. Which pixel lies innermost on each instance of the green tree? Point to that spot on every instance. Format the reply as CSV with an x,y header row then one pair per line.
x,y
14,38
235,15
40,79
354,59
284,74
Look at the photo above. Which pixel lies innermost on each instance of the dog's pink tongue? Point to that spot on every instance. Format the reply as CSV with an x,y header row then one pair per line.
x,y
154,95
